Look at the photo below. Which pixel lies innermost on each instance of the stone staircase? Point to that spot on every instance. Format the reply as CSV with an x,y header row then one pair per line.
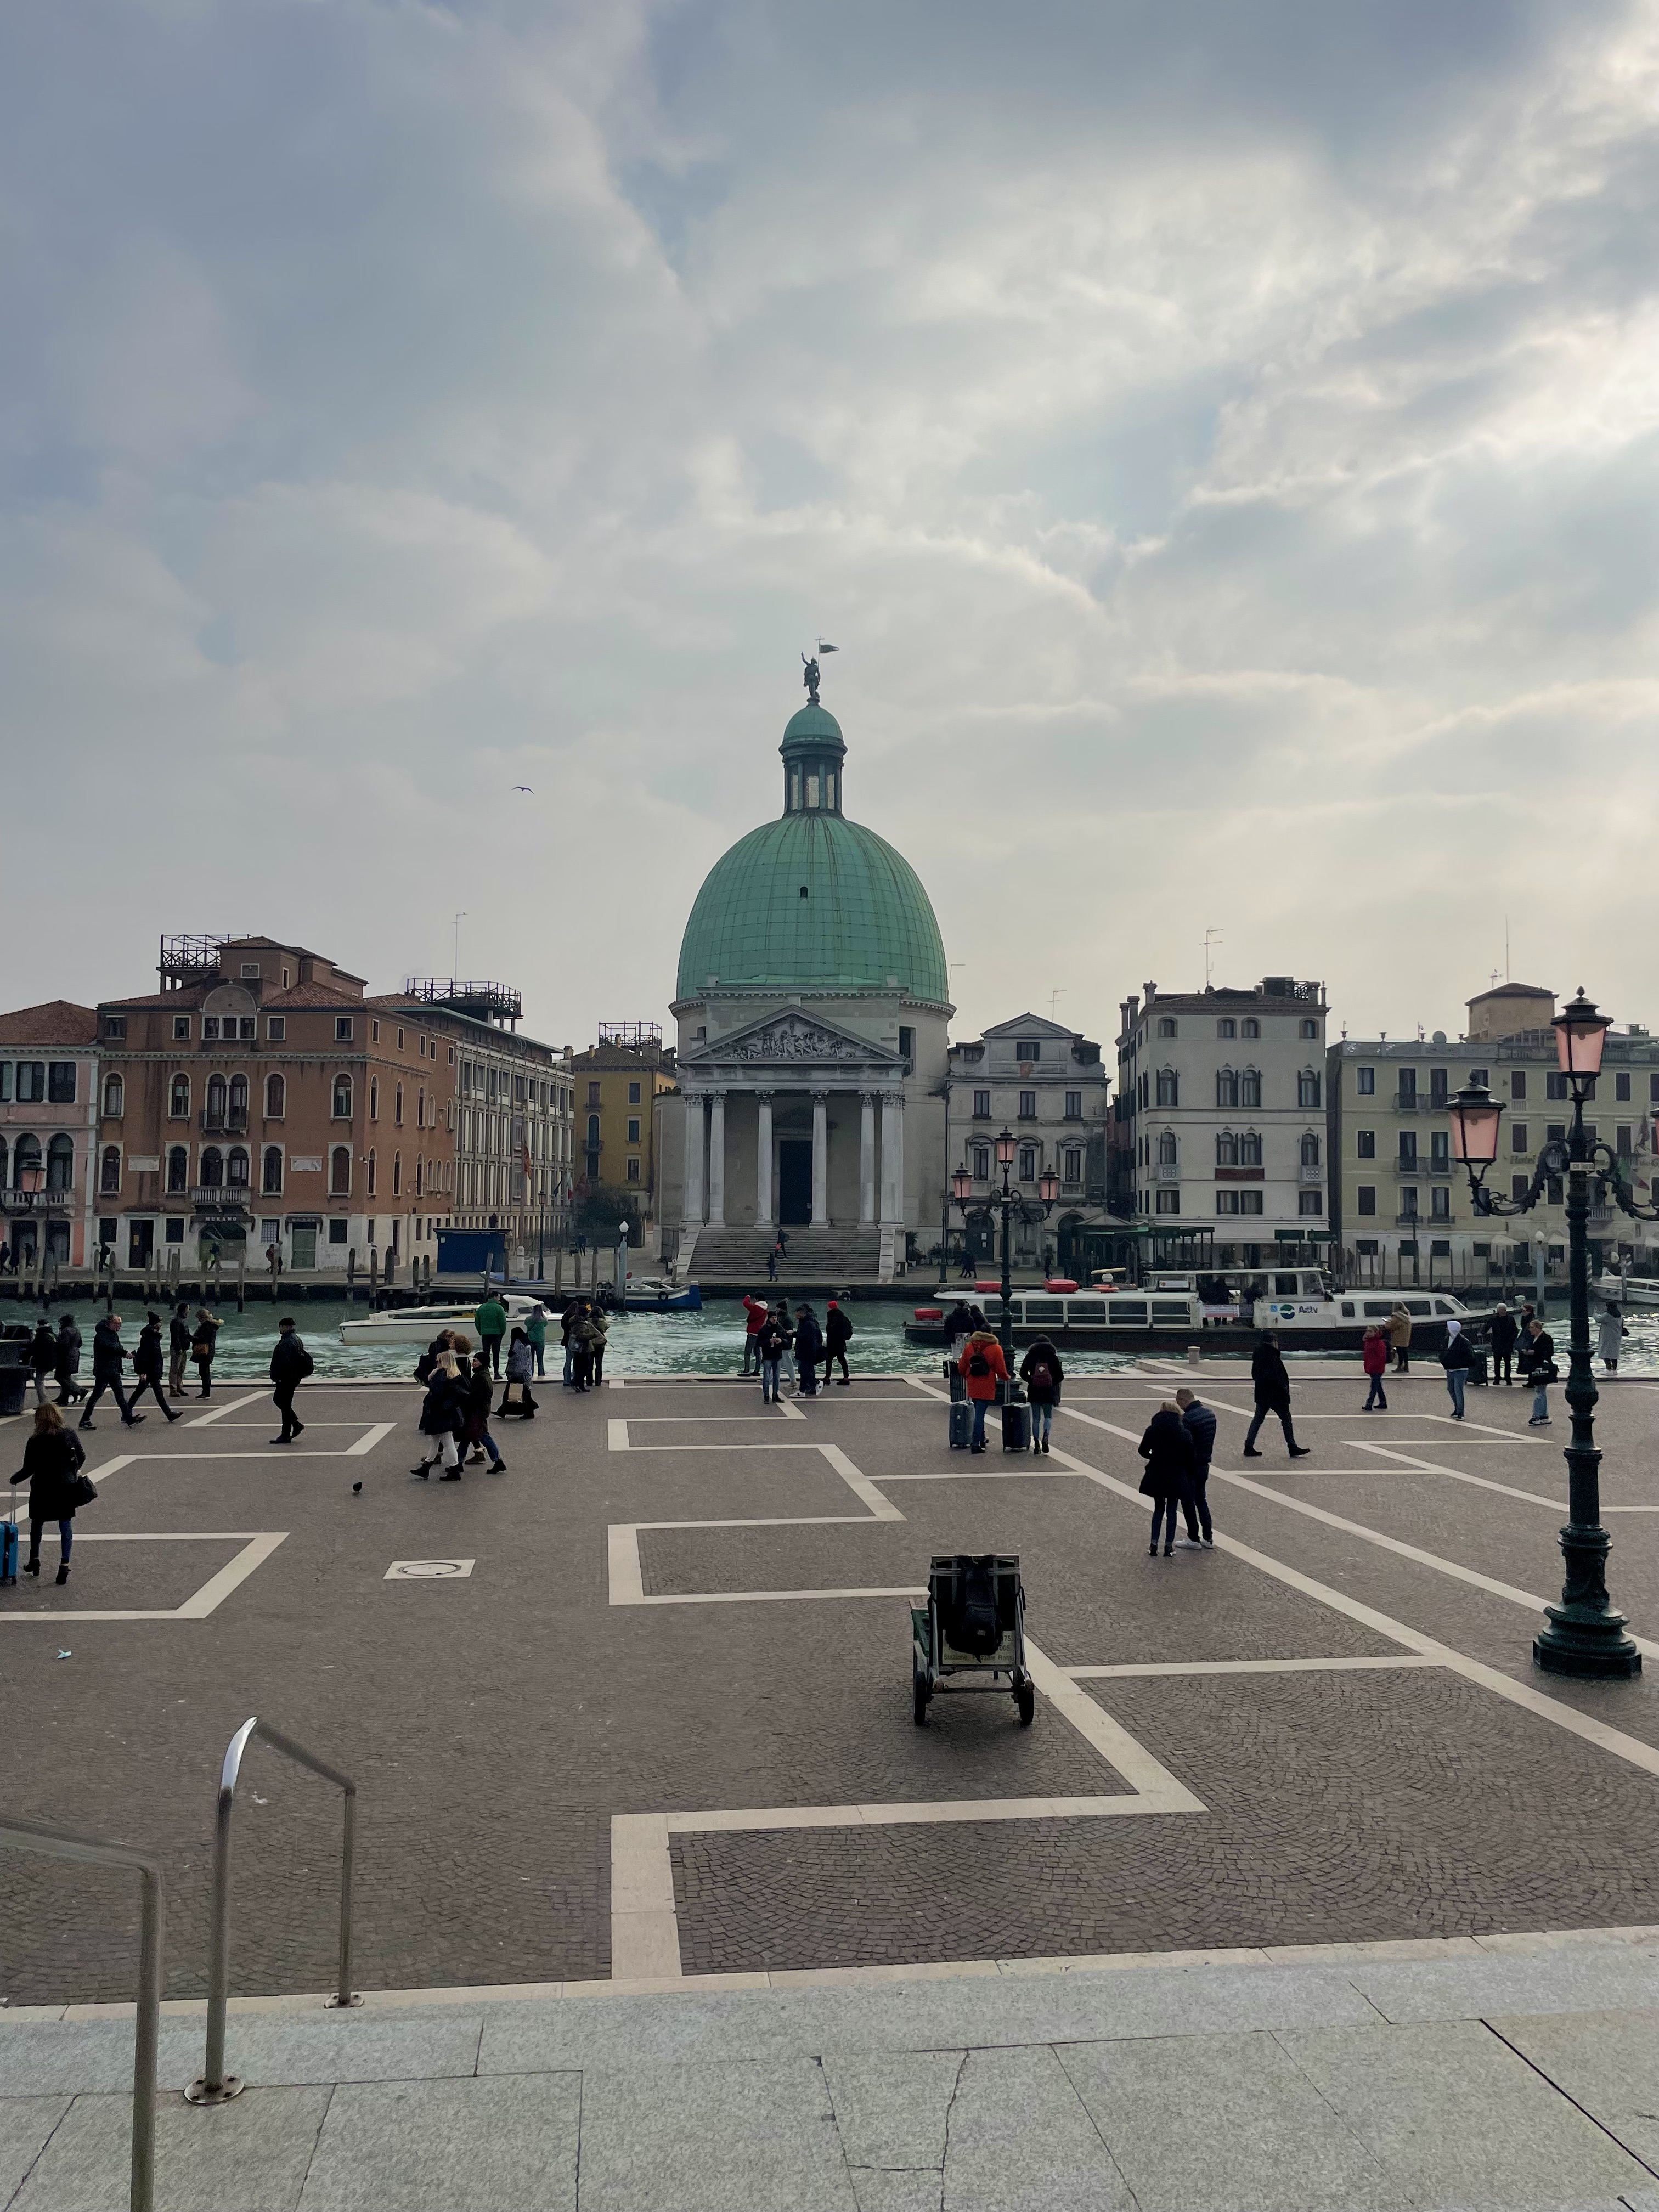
x,y
831,1255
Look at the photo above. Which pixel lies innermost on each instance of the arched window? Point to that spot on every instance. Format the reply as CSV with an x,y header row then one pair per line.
x,y
339,1172
420,1177
1169,1087
1226,1088
1226,1027
1226,1149
1249,1150
179,1099
271,1178
1306,1087
115,1093
1166,1027
216,1101
398,1105
1310,1150
1167,1154
26,1163
371,1171
1310,1029
375,1098
276,1098
236,1166
1249,1027
212,1167
592,1132
109,1174
178,1168
1249,1088
420,1109
342,1106
60,1163
237,1101
397,1174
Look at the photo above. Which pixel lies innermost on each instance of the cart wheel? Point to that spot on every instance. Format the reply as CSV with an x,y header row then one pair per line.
x,y
1025,1698
919,1699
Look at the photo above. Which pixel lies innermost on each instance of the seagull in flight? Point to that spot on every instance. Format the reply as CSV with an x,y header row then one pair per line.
x,y
523,786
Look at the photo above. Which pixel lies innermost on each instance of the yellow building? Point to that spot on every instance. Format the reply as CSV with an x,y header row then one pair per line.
x,y
618,1082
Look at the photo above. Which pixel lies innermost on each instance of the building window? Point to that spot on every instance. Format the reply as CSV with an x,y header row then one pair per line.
x,y
341,1107
592,1094
906,1044
247,1029
277,1029
1313,1201
1167,1202
632,1133
115,1028
1365,1198
1226,1027
1364,1143
339,1172
633,1170
210,1029
1249,1150
981,1105
371,1177
181,1028
1440,1203
114,1097
60,1082
1166,1027
1408,1151
592,1132
633,1094
374,1098
271,1177
343,1029
1437,1085
60,1163
178,1168
236,1167
1307,1088
31,1081
179,1099
1621,1086
1169,1087
1249,1027
109,1176
1226,1149
1028,1160
236,1102
1555,1086
1028,1048
1408,1202
216,1101
1478,1075
1440,1150
1310,1029
398,1104
1518,1083
1167,1153
1028,1105
1622,1141
1310,1150
1518,1137
1238,1201
1249,1088
373,1038
276,1098
1364,1082
1075,1105
1073,1164
981,1163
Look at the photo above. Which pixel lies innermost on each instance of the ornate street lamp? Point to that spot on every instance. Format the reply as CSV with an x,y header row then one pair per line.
x,y
1585,1635
1009,1200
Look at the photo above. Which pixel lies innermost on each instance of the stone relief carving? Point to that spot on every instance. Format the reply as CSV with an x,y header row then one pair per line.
x,y
793,1040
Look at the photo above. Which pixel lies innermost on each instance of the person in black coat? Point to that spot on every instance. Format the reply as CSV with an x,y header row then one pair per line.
x,y
808,1347
1041,1374
1200,1422
66,1363
42,1352
1504,1333
837,1335
290,1363
147,1366
1168,1451
51,1460
958,1326
441,1408
1273,1395
108,1358
177,1348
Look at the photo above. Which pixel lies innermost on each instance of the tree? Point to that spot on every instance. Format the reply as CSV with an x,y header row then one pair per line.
x,y
597,1209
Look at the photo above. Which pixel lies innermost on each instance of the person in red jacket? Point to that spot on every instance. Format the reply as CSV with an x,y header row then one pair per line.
x,y
1374,1356
756,1314
982,1367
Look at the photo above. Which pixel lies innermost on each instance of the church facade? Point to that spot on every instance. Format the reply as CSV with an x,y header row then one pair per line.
x,y
812,1019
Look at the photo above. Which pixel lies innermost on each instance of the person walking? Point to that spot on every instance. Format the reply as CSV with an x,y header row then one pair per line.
x,y
1199,1424
290,1363
1041,1374
568,1320
1273,1395
755,1312
147,1366
53,1460
1608,1332
535,1335
982,1368
1540,1368
440,1409
42,1356
490,1321
203,1343
520,1364
475,1436
1374,1358
1504,1333
965,1272
108,1358
772,1265
177,1348
809,1349
837,1335
772,1343
1400,1336
1454,1359
1168,1451
66,1363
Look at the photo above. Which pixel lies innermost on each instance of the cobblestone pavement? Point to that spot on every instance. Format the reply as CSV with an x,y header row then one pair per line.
x,y
497,1724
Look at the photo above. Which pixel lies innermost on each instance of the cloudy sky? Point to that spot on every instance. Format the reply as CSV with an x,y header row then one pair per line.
x,y
1224,440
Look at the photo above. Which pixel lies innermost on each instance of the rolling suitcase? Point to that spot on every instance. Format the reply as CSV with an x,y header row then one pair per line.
x,y
7,1551
954,1379
1017,1428
962,1425
1478,1375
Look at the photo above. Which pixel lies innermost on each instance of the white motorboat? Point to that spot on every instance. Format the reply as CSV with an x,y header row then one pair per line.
x,y
420,1324
1639,1292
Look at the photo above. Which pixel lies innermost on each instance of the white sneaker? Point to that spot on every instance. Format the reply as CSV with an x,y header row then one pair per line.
x,y
1188,1544
1207,1544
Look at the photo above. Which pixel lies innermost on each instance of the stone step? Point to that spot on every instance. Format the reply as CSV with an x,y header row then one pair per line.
x,y
723,1253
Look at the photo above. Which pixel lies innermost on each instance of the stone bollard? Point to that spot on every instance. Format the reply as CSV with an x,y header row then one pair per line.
x,y
1192,1355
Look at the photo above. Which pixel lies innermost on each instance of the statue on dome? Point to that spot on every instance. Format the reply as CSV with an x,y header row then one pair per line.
x,y
810,678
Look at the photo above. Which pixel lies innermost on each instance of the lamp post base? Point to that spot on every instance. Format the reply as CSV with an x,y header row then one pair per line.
x,y
1591,1645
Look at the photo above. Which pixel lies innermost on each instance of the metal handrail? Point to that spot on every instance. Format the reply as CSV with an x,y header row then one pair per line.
x,y
25,1835
214,2086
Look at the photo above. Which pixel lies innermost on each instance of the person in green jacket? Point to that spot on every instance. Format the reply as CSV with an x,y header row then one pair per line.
x,y
490,1321
535,1331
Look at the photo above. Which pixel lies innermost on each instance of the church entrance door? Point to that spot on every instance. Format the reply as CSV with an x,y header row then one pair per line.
x,y
795,1182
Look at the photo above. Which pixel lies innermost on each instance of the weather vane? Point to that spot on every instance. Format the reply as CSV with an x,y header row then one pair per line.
x,y
810,671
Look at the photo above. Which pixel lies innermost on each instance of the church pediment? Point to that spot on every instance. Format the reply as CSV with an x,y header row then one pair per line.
x,y
793,1038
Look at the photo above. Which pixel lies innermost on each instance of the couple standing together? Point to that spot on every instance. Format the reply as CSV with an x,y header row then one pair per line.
x,y
1177,1448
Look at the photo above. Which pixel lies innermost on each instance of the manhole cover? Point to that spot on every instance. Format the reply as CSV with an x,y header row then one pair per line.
x,y
427,1570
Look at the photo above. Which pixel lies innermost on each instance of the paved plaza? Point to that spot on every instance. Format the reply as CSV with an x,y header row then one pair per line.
x,y
649,1730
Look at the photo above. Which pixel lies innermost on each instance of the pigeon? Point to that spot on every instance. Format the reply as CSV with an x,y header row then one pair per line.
x,y
355,1487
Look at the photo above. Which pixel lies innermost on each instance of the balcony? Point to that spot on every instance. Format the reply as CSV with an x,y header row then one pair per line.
x,y
1408,1220
1167,1171
1405,1101
232,1121
1310,1171
226,1197
1439,1167
37,1201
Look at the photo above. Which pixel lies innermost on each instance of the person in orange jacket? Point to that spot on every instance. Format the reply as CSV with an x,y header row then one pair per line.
x,y
982,1367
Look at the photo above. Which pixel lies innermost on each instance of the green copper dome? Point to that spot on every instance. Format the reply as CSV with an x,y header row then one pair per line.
x,y
812,901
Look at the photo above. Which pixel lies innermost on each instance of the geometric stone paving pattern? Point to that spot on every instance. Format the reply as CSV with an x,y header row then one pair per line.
x,y
496,1725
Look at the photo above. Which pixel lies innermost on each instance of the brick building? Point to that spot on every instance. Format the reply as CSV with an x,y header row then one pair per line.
x,y
48,1099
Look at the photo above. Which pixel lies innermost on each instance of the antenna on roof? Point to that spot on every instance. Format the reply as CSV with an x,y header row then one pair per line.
x,y
1211,937
1053,995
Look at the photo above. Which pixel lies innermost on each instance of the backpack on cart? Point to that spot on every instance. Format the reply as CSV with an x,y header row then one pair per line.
x,y
975,1628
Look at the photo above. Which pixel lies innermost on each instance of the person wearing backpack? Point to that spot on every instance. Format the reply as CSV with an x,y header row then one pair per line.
x,y
1041,1374
1167,1449
53,1460
290,1363
837,1335
982,1367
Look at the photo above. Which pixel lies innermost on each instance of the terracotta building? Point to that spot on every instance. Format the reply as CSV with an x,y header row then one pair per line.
x,y
48,1097
260,1098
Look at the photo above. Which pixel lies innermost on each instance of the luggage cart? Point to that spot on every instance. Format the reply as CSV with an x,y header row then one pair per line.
x,y
974,1623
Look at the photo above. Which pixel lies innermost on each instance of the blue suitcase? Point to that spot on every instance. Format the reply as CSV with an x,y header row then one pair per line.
x,y
962,1425
8,1553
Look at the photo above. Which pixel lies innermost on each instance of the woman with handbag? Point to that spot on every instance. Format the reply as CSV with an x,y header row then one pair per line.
x,y
1541,1368
53,1461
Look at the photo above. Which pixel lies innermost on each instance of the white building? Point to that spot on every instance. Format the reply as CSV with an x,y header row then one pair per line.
x,y
1047,1085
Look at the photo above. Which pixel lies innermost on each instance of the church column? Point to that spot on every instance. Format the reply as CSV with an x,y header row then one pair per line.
x,y
763,1164
867,1156
892,1157
691,1206
717,1159
820,1158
